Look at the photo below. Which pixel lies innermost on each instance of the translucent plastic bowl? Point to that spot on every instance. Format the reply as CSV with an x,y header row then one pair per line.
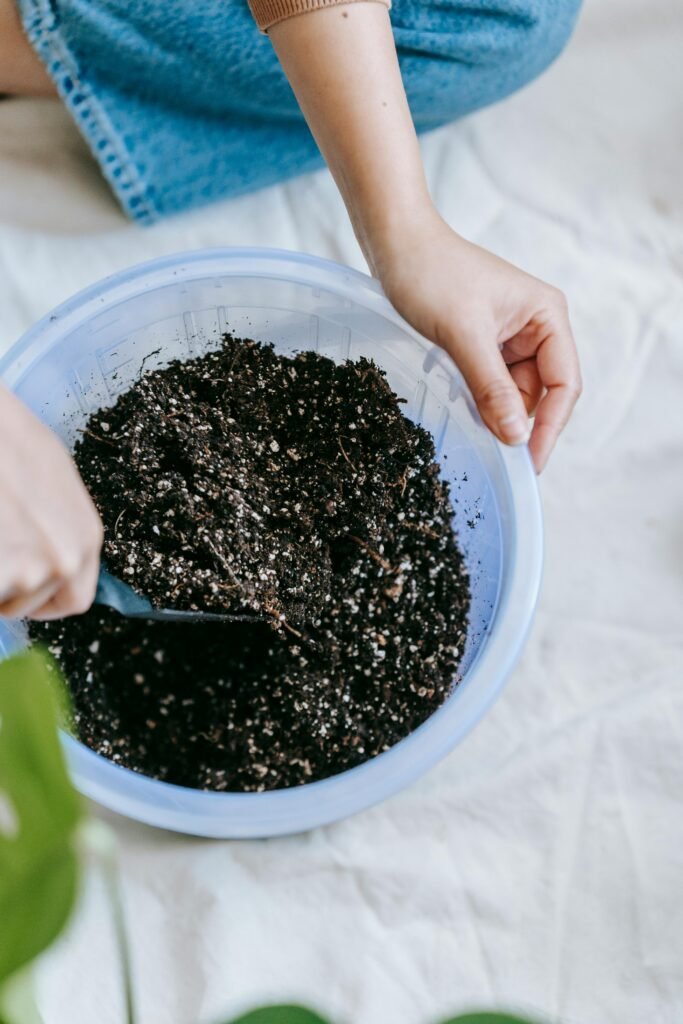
x,y
91,348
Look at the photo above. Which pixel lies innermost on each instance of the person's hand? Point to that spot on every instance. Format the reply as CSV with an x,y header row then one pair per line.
x,y
507,332
50,533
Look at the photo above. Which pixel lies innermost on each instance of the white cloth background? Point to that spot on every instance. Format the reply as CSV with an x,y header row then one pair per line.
x,y
541,865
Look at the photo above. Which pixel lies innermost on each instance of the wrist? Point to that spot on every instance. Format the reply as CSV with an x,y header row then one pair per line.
x,y
384,230
402,236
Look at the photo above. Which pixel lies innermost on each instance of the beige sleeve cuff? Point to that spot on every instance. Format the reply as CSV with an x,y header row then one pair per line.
x,y
269,12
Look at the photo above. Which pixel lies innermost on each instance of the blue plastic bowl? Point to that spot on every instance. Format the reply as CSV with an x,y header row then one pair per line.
x,y
81,356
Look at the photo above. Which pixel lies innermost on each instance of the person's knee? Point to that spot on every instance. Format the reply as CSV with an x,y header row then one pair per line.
x,y
515,39
543,30
459,55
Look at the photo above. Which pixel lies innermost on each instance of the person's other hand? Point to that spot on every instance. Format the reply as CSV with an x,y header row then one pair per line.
x,y
50,533
507,332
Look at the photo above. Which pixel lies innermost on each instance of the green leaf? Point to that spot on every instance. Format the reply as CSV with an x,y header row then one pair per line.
x,y
17,1001
98,840
280,1015
487,1018
39,813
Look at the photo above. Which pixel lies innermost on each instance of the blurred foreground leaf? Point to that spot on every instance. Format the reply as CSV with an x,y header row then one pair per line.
x,y
39,813
280,1015
487,1018
299,1015
17,1002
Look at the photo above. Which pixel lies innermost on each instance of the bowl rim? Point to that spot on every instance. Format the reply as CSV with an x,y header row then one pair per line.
x,y
284,811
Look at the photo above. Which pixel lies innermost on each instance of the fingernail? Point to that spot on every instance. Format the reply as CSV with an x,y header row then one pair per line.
x,y
515,429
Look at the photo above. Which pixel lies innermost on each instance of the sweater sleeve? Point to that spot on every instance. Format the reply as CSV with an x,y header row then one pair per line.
x,y
269,12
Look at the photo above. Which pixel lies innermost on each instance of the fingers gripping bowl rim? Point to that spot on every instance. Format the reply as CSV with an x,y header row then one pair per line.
x,y
90,348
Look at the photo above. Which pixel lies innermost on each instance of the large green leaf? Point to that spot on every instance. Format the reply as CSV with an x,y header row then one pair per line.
x,y
300,1015
280,1015
39,813
17,1000
487,1018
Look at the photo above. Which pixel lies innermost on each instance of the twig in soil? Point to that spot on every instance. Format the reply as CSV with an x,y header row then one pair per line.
x,y
375,555
290,629
224,562
171,417
346,456
421,528
402,482
269,610
148,356
104,440
116,524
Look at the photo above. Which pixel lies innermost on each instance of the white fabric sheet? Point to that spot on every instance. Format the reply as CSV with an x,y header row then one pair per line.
x,y
541,865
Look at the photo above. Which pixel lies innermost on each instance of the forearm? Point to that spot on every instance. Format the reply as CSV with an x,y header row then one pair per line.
x,y
507,332
342,65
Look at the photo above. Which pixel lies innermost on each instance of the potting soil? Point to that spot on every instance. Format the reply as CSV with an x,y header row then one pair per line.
x,y
294,488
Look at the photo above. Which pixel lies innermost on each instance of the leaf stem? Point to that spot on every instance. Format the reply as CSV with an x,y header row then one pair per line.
x,y
100,842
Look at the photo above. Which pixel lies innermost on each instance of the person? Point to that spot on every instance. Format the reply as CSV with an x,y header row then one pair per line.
x,y
184,103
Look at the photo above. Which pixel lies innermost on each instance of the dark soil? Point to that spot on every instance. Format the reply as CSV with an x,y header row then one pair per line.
x,y
294,487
